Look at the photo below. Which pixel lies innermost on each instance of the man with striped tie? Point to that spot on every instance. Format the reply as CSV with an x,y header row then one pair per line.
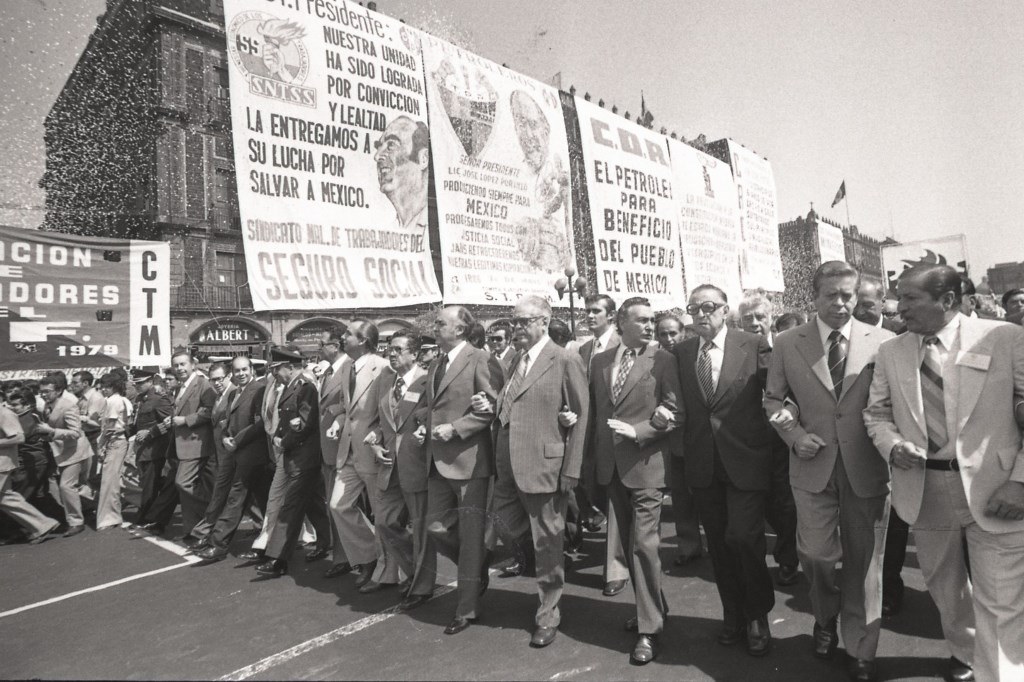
x,y
840,483
941,412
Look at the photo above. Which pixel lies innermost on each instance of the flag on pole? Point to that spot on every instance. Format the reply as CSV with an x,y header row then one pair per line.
x,y
840,195
646,117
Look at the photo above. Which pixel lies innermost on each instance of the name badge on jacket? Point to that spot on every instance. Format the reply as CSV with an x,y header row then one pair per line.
x,y
973,360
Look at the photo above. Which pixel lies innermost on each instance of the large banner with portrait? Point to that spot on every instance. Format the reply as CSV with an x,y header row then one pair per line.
x,y
332,155
896,258
760,258
501,172
709,228
72,302
633,208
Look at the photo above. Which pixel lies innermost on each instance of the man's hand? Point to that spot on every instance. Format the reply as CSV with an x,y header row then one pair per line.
x,y
332,431
371,438
566,484
420,434
481,403
662,418
44,429
808,446
443,432
567,418
381,455
1007,502
296,424
906,455
277,442
783,419
229,443
623,429
178,421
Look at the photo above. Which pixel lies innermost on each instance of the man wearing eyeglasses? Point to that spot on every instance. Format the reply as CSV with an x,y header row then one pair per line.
x,y
225,465
726,443
538,460
499,340
332,349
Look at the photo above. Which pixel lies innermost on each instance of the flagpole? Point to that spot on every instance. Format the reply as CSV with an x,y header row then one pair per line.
x,y
846,201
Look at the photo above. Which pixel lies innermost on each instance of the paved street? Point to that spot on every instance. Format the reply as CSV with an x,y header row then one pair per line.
x,y
113,605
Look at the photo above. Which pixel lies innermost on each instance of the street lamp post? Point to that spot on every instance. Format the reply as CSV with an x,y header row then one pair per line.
x,y
579,288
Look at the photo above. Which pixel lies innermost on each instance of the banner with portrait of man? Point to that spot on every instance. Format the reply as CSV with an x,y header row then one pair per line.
x,y
501,172
332,155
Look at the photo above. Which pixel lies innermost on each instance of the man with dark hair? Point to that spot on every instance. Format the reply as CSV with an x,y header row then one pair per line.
x,y
788,320
477,337
1013,302
871,305
38,528
71,448
940,412
499,341
332,349
151,446
37,464
224,467
839,481
91,404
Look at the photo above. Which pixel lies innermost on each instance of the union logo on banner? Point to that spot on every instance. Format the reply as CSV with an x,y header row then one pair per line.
x,y
272,55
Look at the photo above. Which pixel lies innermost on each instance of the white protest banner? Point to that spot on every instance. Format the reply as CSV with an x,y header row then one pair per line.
x,y
632,207
830,243
329,123
951,251
760,259
72,301
709,228
501,173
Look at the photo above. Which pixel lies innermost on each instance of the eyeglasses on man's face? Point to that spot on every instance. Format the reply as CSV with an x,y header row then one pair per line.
x,y
705,308
524,321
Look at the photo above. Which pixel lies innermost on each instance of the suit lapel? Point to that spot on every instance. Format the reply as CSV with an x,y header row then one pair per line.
x,y
733,355
809,346
858,354
180,401
407,407
384,399
364,377
909,377
544,362
968,382
455,368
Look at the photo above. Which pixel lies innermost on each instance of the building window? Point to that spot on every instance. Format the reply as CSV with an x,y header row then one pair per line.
x,y
230,270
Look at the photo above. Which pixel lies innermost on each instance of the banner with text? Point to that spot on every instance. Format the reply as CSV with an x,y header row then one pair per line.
x,y
760,259
951,251
632,207
68,302
709,229
329,122
501,173
830,243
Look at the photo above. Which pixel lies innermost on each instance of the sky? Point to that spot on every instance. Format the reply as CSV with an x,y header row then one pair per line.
x,y
918,106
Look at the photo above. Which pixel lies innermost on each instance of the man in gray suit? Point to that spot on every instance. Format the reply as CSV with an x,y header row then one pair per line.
x,y
70,445
633,458
225,460
332,349
538,460
840,482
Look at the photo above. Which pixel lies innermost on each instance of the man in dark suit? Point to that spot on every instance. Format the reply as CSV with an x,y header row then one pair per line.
x,y
727,446
499,341
633,459
150,444
537,459
461,456
332,349
297,436
224,465
400,394
245,440
839,480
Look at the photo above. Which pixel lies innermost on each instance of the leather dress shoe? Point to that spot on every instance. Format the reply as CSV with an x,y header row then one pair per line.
x,y
317,554
513,570
959,671
414,600
74,530
826,639
759,637
862,670
199,546
457,625
731,634
684,559
44,536
632,625
211,555
252,555
187,540
338,570
154,528
613,587
374,586
274,568
788,575
542,637
645,650
364,572
594,523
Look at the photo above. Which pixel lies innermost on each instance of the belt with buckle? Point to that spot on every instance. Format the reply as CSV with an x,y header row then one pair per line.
x,y
942,464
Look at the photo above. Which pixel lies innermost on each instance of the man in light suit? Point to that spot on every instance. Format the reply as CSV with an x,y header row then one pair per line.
x,y
70,445
726,442
356,465
332,349
633,458
537,460
224,466
840,484
400,394
461,456
941,412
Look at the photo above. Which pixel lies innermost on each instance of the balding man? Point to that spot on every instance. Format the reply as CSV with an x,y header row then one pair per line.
x,y
403,160
871,305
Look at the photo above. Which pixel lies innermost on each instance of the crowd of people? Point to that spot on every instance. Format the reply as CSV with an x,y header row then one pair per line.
x,y
840,430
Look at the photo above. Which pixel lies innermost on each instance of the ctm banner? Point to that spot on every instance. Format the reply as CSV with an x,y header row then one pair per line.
x,y
71,302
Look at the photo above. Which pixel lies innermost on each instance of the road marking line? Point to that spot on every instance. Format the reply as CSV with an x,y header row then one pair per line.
x,y
323,640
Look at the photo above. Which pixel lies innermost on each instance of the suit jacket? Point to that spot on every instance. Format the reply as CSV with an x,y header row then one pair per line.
x,y
69,443
149,442
470,454
394,428
893,326
653,381
541,449
194,439
245,424
733,420
358,414
979,393
330,408
587,349
300,449
507,361
799,371
219,419
91,406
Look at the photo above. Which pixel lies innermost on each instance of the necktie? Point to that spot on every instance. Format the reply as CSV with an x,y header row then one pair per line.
x,y
625,364
352,371
513,389
328,373
442,365
704,373
931,394
837,360
399,390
